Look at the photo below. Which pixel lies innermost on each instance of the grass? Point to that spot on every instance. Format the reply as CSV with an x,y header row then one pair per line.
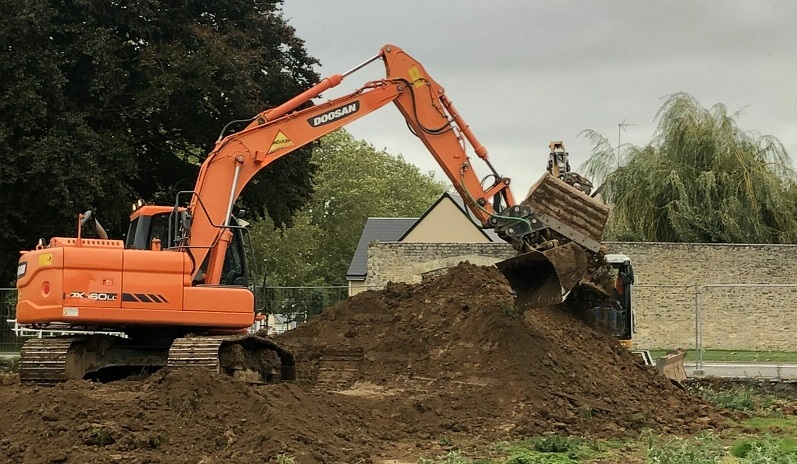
x,y
737,356
774,424
738,399
702,449
755,440
548,449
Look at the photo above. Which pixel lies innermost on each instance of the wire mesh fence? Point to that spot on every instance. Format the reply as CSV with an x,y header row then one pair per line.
x,y
9,341
743,323
300,303
753,317
285,306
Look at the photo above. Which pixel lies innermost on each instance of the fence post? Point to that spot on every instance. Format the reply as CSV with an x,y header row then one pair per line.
x,y
699,330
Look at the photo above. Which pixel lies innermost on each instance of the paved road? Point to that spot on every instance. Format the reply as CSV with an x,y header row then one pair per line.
x,y
786,371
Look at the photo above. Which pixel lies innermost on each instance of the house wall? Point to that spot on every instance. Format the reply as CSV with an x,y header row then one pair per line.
x,y
357,286
445,224
760,315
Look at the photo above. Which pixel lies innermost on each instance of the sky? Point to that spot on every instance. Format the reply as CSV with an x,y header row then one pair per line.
x,y
525,72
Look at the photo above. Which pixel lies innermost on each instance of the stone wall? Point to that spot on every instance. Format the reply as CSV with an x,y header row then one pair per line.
x,y
407,262
759,315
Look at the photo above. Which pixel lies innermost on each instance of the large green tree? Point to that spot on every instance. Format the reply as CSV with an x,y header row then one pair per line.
x,y
105,101
354,181
702,178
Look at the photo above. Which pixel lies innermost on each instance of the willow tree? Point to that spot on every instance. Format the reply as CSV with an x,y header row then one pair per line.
x,y
700,179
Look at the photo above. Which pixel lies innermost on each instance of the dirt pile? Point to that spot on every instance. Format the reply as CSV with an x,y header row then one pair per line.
x,y
180,416
471,362
395,373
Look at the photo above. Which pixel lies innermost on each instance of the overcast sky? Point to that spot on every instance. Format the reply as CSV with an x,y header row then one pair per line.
x,y
524,72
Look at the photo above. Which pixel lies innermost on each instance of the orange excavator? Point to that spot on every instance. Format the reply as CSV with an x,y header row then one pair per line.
x,y
179,288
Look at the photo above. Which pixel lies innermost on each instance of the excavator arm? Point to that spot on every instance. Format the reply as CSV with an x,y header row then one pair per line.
x,y
280,131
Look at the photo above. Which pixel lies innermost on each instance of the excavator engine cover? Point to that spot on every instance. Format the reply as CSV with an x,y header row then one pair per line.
x,y
544,278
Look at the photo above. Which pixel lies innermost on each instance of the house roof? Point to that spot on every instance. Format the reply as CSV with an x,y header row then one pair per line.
x,y
382,229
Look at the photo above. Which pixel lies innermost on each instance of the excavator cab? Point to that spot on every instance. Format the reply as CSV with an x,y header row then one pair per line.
x,y
152,228
149,224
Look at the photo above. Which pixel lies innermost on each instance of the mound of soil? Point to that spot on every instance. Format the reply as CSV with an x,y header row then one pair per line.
x,y
472,362
179,416
396,373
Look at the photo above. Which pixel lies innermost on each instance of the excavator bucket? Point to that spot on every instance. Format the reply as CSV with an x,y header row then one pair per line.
x,y
544,278
568,211
672,365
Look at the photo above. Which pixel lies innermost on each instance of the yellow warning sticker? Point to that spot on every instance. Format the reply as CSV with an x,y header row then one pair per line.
x,y
45,260
280,141
416,77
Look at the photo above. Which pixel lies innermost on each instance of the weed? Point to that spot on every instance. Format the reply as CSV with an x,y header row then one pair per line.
x,y
509,310
452,457
445,441
539,458
738,399
556,444
99,435
702,449
766,451
284,459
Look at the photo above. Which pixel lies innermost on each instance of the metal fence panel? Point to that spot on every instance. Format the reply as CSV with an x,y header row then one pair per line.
x,y
9,341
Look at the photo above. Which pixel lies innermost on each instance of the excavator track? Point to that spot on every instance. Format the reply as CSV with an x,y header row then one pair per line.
x,y
104,357
195,352
250,358
44,360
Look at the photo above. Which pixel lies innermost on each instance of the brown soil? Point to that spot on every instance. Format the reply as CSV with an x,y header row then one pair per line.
x,y
470,362
383,374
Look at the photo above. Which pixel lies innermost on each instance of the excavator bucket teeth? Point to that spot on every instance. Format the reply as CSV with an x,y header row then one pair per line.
x,y
544,278
568,211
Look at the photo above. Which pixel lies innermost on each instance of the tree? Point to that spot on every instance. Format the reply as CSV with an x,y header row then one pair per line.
x,y
106,101
701,179
354,181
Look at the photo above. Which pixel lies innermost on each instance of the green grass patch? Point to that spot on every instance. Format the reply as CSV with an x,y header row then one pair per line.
x,y
772,425
765,451
736,356
732,446
548,449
